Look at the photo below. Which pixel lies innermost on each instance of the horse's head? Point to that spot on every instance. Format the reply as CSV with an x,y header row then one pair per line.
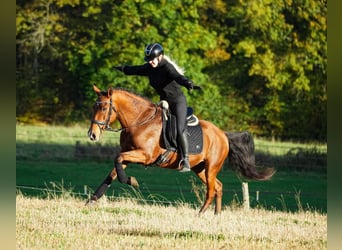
x,y
104,113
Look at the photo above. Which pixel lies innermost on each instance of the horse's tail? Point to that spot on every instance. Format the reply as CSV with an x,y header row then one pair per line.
x,y
241,156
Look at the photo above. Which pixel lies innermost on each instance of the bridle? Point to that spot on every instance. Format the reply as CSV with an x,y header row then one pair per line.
x,y
107,121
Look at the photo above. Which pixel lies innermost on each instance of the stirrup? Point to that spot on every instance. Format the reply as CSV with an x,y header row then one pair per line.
x,y
184,169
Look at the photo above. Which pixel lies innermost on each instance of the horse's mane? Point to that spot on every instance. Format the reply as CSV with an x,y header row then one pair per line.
x,y
130,92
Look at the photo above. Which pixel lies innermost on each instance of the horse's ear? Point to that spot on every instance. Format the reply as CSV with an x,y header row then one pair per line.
x,y
97,90
110,92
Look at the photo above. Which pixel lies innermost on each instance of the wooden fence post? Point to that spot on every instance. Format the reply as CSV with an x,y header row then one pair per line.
x,y
245,194
85,190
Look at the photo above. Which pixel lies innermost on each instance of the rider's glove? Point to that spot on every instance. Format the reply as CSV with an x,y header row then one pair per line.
x,y
120,68
191,86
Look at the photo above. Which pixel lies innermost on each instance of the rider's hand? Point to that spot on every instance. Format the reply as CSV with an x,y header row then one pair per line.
x,y
192,86
120,68
197,87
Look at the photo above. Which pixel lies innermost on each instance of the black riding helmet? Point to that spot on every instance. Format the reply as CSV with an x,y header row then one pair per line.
x,y
152,51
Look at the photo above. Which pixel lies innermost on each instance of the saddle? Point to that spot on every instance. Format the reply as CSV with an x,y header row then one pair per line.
x,y
169,131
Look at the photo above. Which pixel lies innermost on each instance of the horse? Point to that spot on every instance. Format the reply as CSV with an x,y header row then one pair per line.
x,y
141,143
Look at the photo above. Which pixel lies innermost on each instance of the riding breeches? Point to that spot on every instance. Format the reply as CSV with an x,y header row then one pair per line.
x,y
178,107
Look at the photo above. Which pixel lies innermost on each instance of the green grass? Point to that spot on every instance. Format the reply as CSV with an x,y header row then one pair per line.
x,y
281,148
46,157
173,186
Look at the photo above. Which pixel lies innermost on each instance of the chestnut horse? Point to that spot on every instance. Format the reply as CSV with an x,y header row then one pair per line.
x,y
141,142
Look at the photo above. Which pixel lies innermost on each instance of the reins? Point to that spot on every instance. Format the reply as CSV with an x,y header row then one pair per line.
x,y
112,107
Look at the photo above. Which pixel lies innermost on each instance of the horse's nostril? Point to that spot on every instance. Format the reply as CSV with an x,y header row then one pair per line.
x,y
91,135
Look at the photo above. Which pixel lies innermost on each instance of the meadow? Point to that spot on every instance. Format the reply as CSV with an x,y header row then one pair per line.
x,y
64,222
57,168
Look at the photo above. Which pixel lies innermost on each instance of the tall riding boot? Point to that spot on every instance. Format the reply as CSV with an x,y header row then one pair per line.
x,y
183,145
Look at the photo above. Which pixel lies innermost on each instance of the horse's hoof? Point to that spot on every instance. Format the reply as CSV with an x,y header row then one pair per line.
x,y
90,202
134,182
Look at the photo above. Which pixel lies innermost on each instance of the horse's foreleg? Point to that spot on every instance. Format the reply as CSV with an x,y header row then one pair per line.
x,y
136,156
122,175
103,187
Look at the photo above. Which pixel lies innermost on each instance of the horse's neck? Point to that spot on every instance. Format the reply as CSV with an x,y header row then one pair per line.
x,y
131,108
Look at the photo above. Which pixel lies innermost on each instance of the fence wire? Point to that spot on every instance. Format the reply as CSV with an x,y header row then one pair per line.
x,y
88,194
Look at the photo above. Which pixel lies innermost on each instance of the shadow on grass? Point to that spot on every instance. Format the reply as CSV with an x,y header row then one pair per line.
x,y
298,159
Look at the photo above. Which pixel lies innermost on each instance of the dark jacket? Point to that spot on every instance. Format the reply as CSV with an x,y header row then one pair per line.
x,y
165,79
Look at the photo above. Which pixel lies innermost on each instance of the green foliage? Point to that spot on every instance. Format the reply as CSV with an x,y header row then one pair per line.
x,y
262,64
278,65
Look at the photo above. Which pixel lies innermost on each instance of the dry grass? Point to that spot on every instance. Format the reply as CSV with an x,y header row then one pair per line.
x,y
66,223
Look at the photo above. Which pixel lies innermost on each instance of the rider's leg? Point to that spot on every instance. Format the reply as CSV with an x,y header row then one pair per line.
x,y
179,108
184,148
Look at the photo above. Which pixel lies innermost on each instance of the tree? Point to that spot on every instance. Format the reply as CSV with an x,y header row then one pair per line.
x,y
278,65
262,64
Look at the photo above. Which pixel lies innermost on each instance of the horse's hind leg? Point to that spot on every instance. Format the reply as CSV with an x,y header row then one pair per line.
x,y
214,189
218,190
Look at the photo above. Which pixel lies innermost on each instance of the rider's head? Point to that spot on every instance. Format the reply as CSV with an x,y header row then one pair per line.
x,y
152,51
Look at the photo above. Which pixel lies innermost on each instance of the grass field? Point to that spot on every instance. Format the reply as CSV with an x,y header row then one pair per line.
x,y
65,223
291,212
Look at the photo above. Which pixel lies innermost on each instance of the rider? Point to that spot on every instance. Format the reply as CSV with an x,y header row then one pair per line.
x,y
166,77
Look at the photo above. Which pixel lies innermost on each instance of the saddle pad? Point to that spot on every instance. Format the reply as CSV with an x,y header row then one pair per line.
x,y
169,135
195,138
